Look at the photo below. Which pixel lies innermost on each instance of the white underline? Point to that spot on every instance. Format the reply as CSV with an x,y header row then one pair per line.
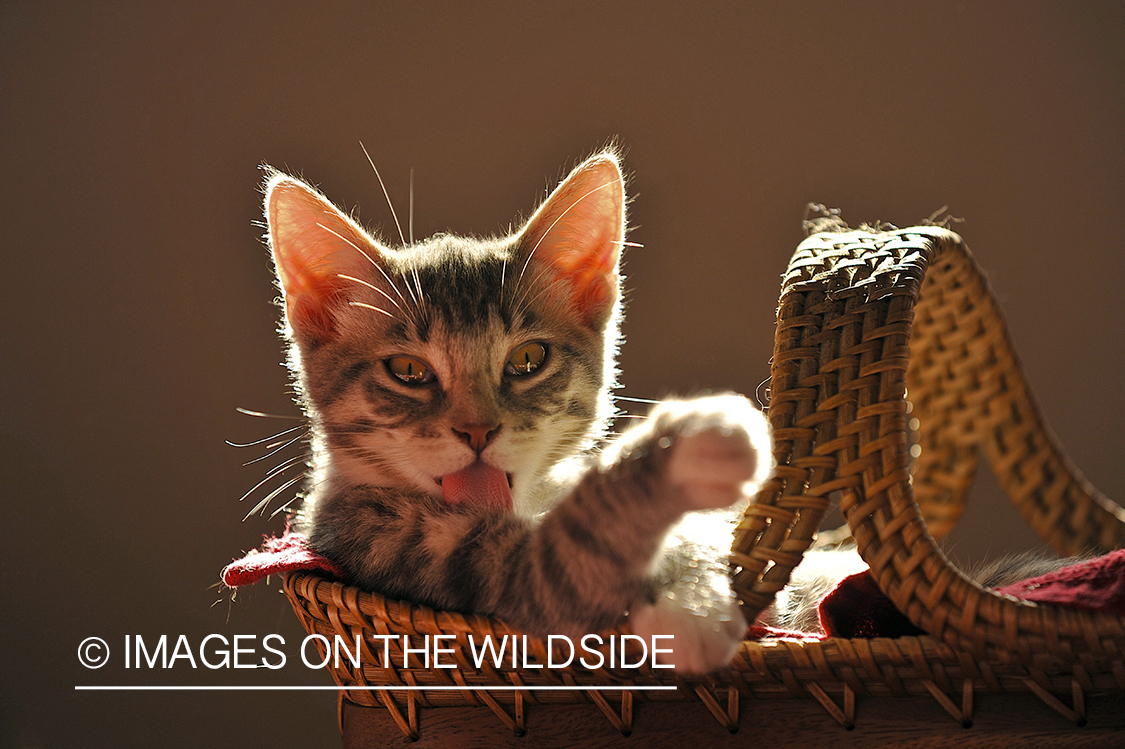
x,y
404,688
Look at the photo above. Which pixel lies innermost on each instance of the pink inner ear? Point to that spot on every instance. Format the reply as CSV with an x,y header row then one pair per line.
x,y
312,244
310,311
578,232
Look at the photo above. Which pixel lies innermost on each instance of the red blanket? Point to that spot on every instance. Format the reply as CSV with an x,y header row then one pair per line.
x,y
857,608
277,555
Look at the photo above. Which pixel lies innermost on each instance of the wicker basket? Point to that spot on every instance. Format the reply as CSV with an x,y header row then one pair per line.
x,y
862,317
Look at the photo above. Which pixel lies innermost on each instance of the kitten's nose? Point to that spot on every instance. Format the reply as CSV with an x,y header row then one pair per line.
x,y
477,436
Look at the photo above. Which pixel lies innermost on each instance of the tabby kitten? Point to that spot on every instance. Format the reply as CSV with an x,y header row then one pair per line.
x,y
457,390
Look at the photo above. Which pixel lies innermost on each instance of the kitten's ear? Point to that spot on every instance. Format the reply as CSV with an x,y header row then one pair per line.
x,y
313,243
578,234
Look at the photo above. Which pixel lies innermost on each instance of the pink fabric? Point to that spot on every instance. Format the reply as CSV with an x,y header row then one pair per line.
x,y
289,552
1096,585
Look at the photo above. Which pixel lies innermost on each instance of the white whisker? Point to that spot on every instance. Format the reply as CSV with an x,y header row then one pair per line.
x,y
269,497
369,259
285,507
262,415
418,285
371,286
633,400
345,239
287,465
276,450
503,273
385,194
559,218
518,306
409,290
411,217
290,430
372,306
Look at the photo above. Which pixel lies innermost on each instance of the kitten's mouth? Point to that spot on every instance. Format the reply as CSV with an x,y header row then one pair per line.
x,y
508,476
478,484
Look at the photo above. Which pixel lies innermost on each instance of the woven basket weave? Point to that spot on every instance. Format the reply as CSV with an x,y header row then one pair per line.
x,y
863,316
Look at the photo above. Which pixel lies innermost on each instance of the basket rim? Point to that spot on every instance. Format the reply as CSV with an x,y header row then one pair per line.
x,y
867,284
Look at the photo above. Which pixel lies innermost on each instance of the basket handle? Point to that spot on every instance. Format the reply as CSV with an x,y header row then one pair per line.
x,y
862,316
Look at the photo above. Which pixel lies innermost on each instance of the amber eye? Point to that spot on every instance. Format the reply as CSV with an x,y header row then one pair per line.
x,y
411,371
526,359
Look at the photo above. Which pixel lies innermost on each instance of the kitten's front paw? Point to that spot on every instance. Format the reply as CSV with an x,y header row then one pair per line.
x,y
703,640
720,449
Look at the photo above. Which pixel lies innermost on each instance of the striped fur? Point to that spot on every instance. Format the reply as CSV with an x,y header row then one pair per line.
x,y
588,531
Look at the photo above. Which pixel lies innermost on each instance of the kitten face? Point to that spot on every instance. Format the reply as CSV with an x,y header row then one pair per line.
x,y
415,364
398,396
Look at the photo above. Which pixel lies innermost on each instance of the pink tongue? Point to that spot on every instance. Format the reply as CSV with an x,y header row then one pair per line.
x,y
479,484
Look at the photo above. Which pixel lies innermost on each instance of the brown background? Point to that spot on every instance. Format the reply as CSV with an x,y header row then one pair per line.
x,y
137,297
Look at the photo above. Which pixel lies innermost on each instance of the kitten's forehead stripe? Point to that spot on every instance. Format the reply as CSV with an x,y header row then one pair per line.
x,y
463,286
398,333
460,294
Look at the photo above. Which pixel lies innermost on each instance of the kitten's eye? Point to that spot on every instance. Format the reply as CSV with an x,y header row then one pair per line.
x,y
526,359
411,371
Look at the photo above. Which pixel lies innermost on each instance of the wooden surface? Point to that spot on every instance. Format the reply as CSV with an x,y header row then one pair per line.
x,y
1000,721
